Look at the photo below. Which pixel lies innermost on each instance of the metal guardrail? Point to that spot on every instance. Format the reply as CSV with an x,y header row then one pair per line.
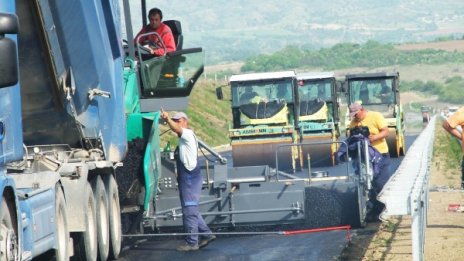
x,y
406,193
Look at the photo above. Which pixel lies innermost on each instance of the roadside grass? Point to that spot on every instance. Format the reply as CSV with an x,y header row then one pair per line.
x,y
210,116
390,226
382,240
448,149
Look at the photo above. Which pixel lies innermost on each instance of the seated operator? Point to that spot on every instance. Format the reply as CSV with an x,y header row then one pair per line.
x,y
152,42
282,92
385,93
248,96
364,94
321,91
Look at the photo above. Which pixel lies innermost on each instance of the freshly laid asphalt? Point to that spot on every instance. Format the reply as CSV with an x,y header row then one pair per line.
x,y
316,246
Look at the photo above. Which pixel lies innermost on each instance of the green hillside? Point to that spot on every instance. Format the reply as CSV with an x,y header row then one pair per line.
x,y
208,116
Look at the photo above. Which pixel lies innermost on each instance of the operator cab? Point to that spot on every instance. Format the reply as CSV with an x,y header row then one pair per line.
x,y
316,96
262,98
375,91
162,80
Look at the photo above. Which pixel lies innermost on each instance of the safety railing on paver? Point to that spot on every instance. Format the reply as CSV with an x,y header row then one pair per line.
x,y
406,193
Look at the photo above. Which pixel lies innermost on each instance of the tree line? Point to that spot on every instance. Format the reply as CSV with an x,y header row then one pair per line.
x,y
371,54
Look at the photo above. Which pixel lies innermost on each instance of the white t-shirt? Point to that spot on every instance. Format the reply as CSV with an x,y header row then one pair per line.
x,y
188,149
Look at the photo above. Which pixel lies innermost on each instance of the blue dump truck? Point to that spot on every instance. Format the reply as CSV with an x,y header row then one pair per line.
x,y
62,129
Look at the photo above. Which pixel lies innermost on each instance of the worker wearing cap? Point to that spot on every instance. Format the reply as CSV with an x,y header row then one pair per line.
x,y
190,180
378,131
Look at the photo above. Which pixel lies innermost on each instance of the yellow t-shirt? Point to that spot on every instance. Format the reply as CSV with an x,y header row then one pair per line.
x,y
374,121
457,119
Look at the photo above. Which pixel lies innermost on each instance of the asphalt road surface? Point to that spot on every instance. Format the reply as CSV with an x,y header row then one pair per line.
x,y
317,246
311,246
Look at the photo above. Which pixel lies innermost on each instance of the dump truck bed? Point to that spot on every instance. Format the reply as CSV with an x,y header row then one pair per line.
x,y
61,62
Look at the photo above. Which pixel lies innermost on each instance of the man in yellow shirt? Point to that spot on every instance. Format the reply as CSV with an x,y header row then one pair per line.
x,y
378,131
450,125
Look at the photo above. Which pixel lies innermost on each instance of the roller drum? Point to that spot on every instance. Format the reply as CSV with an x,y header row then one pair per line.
x,y
320,155
396,144
262,152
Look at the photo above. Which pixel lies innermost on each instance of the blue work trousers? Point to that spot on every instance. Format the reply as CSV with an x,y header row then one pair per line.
x,y
384,174
380,179
190,183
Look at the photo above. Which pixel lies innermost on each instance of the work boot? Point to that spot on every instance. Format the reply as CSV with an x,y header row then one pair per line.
x,y
372,218
205,241
187,247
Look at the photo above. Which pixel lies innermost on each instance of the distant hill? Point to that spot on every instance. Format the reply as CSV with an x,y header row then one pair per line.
x,y
234,30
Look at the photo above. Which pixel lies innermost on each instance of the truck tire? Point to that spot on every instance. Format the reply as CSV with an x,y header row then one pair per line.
x,y
85,243
62,231
9,249
101,202
114,216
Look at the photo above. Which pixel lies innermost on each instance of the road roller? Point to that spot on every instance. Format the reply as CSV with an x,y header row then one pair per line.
x,y
263,110
380,92
318,117
425,111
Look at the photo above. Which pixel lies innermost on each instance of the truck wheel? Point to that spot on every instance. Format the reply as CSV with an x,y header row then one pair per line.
x,y
114,216
62,232
9,249
101,202
85,247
